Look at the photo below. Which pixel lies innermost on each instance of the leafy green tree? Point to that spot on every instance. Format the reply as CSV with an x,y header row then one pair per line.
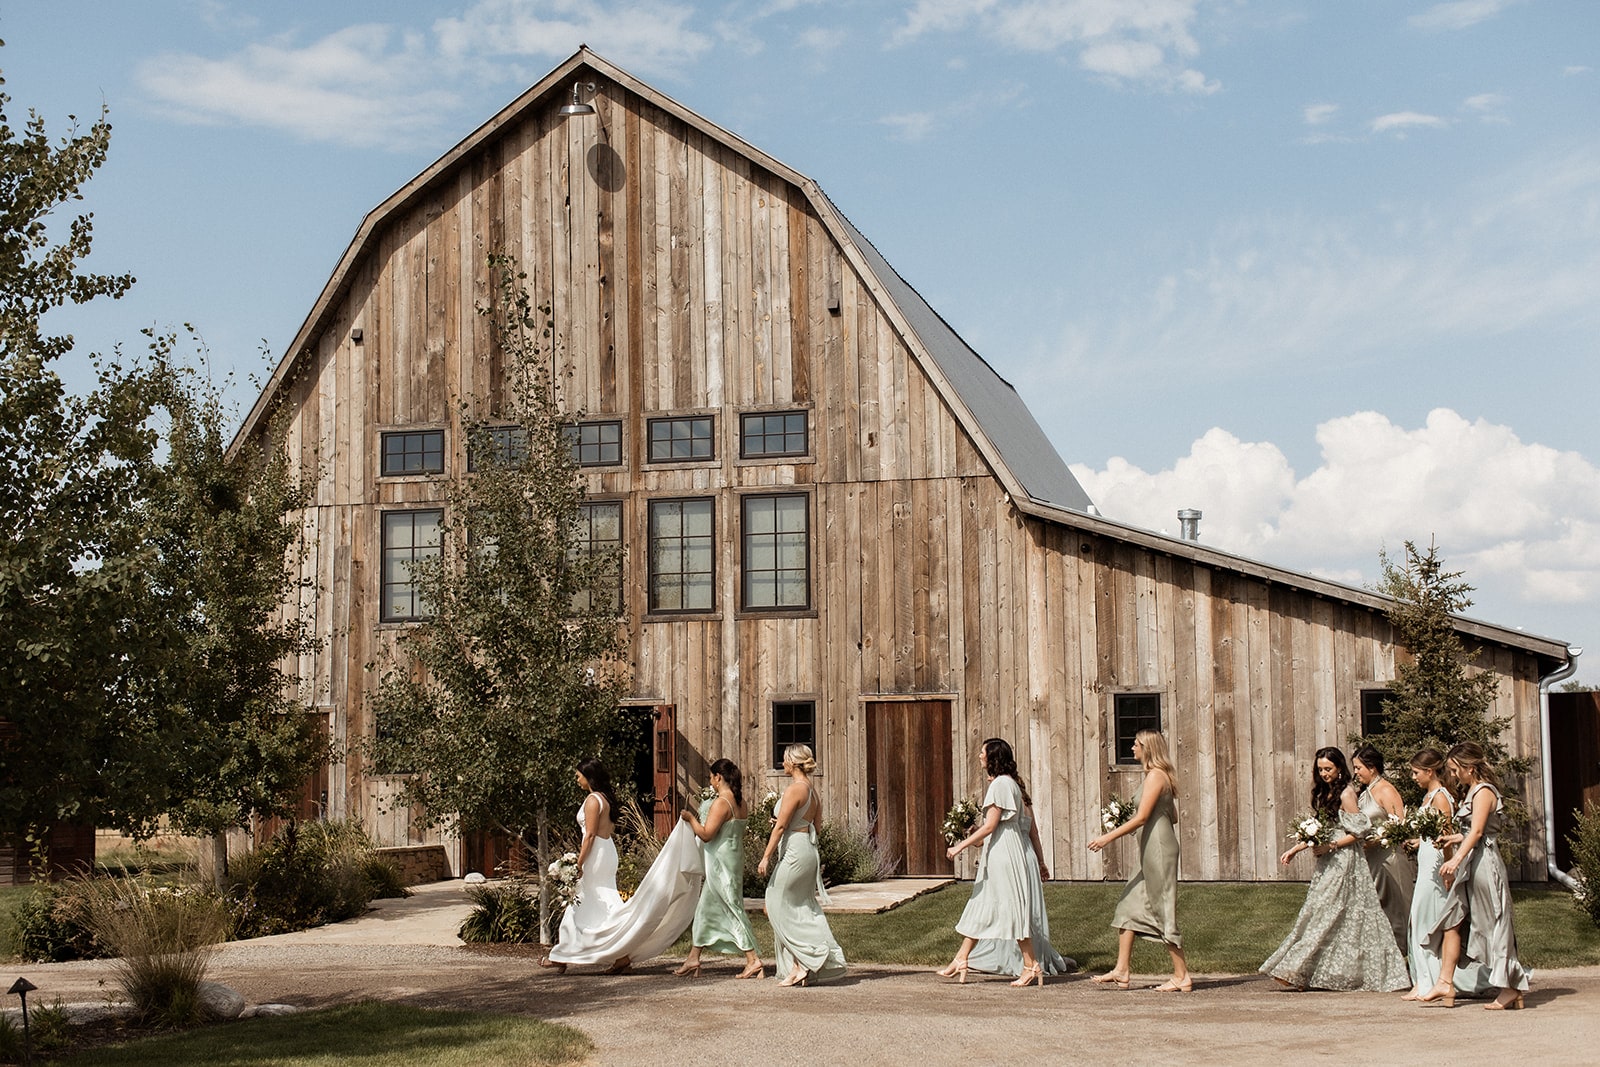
x,y
515,679
1435,700
223,592
71,558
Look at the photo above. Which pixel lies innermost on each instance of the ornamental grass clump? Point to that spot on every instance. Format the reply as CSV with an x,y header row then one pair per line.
x,y
504,912
163,937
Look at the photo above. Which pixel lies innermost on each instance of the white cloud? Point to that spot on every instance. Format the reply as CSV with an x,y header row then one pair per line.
x,y
1401,121
1459,14
1489,107
641,35
1575,70
1318,114
1144,42
360,85
1517,252
1520,516
357,86
910,126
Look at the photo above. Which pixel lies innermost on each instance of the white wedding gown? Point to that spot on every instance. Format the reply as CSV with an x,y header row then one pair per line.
x,y
600,927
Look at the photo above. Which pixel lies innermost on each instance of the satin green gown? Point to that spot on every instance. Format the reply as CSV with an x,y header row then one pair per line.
x,y
1394,874
1149,904
800,931
720,922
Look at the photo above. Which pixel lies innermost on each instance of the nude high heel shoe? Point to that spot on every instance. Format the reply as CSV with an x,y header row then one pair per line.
x,y
1514,1004
1031,975
1441,993
957,970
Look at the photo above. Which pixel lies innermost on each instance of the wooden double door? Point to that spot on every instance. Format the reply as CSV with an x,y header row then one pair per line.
x,y
910,781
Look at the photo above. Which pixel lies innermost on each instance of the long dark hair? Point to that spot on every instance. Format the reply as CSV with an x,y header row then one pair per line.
x,y
600,782
729,771
998,759
1325,795
1370,757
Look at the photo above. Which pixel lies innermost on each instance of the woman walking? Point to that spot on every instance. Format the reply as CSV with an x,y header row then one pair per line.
x,y
1429,897
1007,904
720,922
1340,939
1148,907
1480,889
806,950
598,898
1393,873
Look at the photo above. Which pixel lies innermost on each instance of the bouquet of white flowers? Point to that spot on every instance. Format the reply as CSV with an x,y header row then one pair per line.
x,y
1389,831
1312,829
960,820
562,877
1115,812
1428,823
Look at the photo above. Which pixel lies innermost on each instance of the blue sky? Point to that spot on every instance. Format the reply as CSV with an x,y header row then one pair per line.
x,y
1328,271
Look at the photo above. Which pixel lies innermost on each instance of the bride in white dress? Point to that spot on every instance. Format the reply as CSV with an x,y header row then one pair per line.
x,y
600,927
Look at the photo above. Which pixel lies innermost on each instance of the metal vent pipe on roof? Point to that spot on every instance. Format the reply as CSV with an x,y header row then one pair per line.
x,y
1189,524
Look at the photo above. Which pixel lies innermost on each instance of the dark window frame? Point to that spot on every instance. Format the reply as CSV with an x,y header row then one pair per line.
x,y
419,610
576,433
793,722
652,593
1374,720
784,434
1130,713
422,450
745,553
709,437
587,544
503,440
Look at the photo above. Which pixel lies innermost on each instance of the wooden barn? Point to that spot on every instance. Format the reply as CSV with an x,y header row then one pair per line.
x,y
840,525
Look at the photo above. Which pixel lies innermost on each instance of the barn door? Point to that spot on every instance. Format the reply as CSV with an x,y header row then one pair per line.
x,y
664,753
910,783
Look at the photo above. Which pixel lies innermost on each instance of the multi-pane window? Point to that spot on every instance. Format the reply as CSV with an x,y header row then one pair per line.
x,y
776,552
408,538
772,433
413,452
600,533
1132,712
794,722
596,444
1374,716
679,440
682,567
507,446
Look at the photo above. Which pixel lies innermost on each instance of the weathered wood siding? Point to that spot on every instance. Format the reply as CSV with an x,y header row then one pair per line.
x,y
683,280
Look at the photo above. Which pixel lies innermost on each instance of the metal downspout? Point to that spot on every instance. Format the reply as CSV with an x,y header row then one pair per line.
x,y
1573,652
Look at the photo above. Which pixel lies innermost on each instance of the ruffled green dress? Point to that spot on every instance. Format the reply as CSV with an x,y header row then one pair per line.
x,y
720,922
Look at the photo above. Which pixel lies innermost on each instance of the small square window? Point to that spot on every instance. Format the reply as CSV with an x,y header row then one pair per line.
x,y
1131,713
773,433
1374,716
600,532
413,452
596,444
508,445
681,440
794,722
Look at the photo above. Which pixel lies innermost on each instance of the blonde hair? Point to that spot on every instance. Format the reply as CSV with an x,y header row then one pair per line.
x,y
1157,756
1470,756
801,757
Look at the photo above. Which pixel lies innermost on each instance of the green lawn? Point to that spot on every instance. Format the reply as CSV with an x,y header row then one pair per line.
x,y
373,1034
1227,928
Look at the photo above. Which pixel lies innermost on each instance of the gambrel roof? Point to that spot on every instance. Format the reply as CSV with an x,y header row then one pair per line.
x,y
986,406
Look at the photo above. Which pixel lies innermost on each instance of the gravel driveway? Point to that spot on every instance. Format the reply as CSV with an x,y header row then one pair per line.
x,y
877,1014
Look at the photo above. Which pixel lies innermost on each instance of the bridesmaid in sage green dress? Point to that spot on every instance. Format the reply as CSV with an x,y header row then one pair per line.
x,y
720,922
1394,874
1008,894
1480,890
1148,907
806,950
